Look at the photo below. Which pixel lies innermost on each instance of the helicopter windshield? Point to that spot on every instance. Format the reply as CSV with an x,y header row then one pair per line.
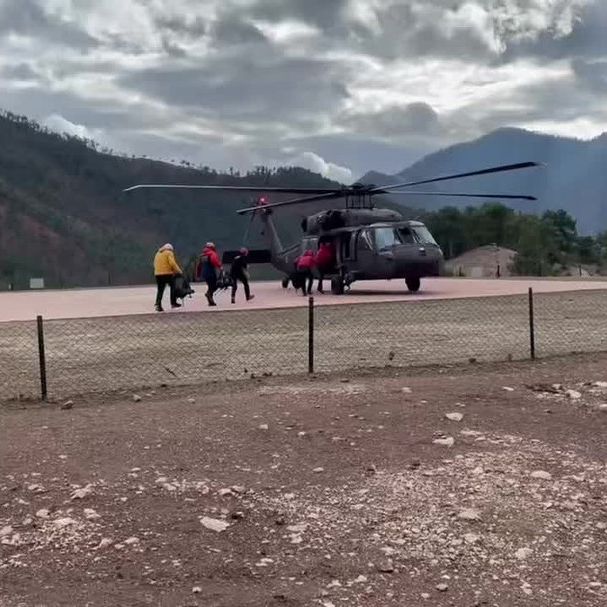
x,y
423,235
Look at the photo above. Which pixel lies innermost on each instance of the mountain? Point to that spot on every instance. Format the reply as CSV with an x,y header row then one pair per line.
x,y
63,215
574,178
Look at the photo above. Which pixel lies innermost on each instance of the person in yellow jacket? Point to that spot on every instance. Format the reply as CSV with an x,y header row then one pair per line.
x,y
166,269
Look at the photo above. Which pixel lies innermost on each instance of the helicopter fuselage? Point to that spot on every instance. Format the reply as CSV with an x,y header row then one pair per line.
x,y
369,244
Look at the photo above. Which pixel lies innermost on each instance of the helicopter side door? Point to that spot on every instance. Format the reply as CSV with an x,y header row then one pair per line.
x,y
365,266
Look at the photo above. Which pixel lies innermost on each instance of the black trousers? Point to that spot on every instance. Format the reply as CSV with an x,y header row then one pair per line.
x,y
211,281
307,280
245,283
161,283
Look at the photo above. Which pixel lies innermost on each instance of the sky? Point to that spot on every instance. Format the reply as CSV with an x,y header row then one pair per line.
x,y
337,86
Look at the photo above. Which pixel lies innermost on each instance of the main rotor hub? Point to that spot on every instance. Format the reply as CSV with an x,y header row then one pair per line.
x,y
359,199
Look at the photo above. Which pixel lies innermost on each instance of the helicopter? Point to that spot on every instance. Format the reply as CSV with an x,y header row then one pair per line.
x,y
368,243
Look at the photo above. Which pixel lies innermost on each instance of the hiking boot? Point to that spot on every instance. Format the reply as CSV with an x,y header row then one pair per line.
x,y
250,297
233,300
176,305
158,308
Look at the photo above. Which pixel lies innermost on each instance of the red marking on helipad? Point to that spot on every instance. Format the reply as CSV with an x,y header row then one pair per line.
x,y
126,301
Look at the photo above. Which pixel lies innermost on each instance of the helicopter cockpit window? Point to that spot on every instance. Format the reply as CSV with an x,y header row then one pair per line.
x,y
406,236
386,238
365,240
423,235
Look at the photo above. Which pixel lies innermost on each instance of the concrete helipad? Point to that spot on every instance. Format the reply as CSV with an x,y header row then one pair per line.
x,y
87,303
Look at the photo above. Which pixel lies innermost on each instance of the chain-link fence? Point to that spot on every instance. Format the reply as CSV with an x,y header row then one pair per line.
x,y
68,357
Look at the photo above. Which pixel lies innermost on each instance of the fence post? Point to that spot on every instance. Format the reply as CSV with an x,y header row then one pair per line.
x,y
42,355
531,326
311,335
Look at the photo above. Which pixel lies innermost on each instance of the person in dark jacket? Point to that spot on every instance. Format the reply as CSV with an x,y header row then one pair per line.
x,y
239,272
210,265
305,264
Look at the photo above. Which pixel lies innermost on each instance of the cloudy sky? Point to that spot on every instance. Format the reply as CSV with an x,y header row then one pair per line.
x,y
338,86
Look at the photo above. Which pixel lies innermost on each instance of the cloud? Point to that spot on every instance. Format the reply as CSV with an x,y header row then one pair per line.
x,y
396,122
316,164
61,125
357,82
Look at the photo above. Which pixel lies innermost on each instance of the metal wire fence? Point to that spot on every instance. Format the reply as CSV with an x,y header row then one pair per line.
x,y
61,358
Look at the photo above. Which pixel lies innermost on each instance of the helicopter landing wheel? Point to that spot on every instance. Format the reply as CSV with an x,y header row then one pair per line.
x,y
337,285
413,284
285,282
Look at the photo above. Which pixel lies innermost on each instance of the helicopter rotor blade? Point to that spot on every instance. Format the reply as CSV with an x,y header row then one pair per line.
x,y
462,195
232,188
327,196
496,169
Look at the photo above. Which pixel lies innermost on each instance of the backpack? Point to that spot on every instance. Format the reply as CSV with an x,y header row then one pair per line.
x,y
183,288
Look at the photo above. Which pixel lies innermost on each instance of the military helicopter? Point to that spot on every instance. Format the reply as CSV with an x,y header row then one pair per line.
x,y
369,243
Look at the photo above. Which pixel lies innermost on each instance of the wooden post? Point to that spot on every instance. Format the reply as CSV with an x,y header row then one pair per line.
x,y
311,335
42,357
531,326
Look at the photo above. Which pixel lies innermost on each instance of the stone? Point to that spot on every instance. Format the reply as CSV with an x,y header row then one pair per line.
x,y
425,595
361,579
43,513
191,400
573,394
136,398
386,566
67,405
132,541
263,426
508,389
600,384
104,543
214,524
541,475
523,553
406,390
62,523
91,515
471,538
6,531
318,470
603,408
196,590
442,587
444,442
454,417
80,494
469,514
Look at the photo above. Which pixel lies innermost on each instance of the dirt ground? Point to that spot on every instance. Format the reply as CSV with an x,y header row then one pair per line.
x,y
328,491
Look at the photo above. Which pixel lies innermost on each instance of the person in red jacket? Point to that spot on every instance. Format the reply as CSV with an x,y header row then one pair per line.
x,y
325,261
210,265
305,264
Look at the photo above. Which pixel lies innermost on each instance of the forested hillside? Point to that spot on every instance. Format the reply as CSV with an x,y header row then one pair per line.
x,y
548,245
574,178
63,215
